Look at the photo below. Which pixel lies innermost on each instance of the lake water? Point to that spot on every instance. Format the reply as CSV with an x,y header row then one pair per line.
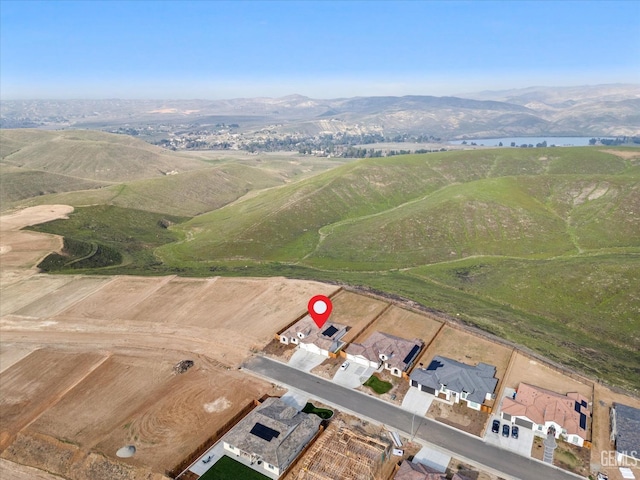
x,y
557,141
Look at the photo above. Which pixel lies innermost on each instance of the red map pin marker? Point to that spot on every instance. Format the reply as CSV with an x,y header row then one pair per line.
x,y
320,308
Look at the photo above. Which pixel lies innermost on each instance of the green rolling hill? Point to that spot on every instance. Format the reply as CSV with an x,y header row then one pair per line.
x,y
539,246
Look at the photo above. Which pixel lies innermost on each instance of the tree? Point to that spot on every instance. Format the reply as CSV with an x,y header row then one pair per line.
x,y
592,141
500,144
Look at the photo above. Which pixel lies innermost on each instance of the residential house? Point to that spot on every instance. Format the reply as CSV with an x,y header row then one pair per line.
x,y
306,334
547,412
456,382
272,435
383,350
625,432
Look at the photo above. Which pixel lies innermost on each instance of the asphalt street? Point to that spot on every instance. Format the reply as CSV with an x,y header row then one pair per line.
x,y
395,418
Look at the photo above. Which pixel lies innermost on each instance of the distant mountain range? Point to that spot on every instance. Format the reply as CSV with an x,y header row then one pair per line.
x,y
602,110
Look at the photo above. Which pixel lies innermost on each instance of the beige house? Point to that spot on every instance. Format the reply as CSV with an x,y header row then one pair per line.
x,y
306,334
547,412
382,350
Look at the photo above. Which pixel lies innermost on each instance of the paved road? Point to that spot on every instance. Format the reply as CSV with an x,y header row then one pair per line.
x,y
428,430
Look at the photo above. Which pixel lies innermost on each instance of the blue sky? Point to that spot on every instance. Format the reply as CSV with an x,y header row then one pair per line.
x,y
148,49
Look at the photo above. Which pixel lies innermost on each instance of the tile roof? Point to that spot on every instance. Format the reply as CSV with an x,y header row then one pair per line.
x,y
476,380
540,406
627,429
418,471
322,337
274,431
400,352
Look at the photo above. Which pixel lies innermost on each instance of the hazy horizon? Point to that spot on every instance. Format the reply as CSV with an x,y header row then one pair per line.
x,y
222,50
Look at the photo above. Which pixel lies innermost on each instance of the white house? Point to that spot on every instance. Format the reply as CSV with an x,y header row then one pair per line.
x,y
306,334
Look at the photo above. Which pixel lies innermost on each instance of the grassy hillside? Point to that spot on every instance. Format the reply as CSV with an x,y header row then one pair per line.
x,y
540,246
188,193
19,184
90,155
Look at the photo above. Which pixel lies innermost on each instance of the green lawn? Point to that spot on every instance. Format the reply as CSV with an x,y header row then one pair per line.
x,y
377,385
323,413
228,469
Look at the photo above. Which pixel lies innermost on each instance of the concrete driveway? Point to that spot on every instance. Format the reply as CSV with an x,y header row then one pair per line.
x,y
305,360
521,445
354,376
417,401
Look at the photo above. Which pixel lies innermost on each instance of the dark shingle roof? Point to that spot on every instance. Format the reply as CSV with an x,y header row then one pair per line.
x,y
476,380
627,429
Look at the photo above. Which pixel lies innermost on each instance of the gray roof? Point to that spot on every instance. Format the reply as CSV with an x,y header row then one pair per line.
x,y
476,380
291,430
627,429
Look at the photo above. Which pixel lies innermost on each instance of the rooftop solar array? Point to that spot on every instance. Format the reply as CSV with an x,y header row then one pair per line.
x,y
583,421
411,354
434,365
264,432
577,407
330,332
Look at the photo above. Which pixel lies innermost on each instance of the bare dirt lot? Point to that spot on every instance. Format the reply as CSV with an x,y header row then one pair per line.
x,y
405,324
26,392
100,404
533,372
355,311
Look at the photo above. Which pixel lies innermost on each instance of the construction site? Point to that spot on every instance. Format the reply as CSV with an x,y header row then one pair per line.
x,y
343,453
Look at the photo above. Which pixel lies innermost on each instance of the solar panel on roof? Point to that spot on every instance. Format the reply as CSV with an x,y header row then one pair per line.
x,y
411,354
434,365
330,332
583,403
577,407
583,421
264,432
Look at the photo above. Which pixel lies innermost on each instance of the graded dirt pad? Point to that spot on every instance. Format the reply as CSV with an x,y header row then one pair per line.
x,y
534,373
140,400
183,414
62,297
20,251
118,296
15,471
18,295
405,324
27,391
355,311
12,353
166,304
467,348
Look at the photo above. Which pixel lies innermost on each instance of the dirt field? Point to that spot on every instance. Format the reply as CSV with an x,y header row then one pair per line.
x,y
532,372
356,311
404,323
15,471
125,400
467,348
27,393
20,251
18,295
